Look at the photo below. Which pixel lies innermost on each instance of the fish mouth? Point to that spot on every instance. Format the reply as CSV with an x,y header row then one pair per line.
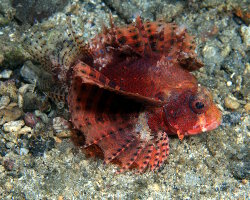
x,y
207,121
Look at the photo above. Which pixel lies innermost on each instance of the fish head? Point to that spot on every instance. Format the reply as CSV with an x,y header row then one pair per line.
x,y
191,113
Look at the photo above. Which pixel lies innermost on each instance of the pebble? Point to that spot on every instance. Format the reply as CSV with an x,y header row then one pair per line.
x,y
23,151
231,103
20,100
245,34
25,130
209,52
10,113
26,87
60,124
42,116
21,91
229,83
247,108
4,101
61,127
6,74
13,126
27,72
60,198
30,119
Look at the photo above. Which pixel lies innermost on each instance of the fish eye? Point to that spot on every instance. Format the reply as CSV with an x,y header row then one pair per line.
x,y
198,106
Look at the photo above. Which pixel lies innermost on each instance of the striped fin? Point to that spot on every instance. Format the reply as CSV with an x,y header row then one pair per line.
x,y
83,49
153,159
144,158
112,153
37,46
156,156
144,36
160,151
107,119
164,150
89,75
58,93
130,37
171,40
128,158
57,56
100,114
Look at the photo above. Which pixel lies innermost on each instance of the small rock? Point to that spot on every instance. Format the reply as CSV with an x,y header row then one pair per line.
x,y
13,126
6,74
9,114
25,88
42,116
231,103
229,83
4,21
61,127
4,101
245,34
29,72
25,130
247,108
20,100
39,126
30,119
60,124
21,93
156,187
8,186
60,198
23,151
209,52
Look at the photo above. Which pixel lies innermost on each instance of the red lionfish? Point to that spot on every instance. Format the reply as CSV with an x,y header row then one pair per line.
x,y
127,89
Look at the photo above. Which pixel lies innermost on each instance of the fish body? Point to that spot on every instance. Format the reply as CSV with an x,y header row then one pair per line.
x,y
131,87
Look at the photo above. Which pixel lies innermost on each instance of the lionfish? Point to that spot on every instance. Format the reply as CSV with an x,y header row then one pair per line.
x,y
127,89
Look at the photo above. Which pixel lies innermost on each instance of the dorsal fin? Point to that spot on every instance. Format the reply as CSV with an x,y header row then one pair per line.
x,y
91,76
144,36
